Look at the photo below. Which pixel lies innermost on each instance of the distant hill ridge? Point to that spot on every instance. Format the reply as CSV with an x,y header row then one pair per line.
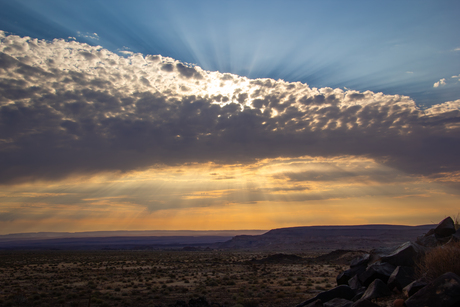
x,y
327,238
303,238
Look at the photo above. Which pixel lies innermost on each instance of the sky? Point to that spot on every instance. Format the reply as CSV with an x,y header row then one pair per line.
x,y
200,115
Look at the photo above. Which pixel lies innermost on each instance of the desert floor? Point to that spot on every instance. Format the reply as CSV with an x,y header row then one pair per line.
x,y
157,278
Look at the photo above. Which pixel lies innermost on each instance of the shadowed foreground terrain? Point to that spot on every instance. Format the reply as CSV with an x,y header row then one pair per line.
x,y
282,267
160,278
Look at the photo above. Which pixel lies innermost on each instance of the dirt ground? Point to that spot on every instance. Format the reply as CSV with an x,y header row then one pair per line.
x,y
157,278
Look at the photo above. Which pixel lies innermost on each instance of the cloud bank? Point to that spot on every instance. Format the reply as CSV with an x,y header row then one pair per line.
x,y
70,108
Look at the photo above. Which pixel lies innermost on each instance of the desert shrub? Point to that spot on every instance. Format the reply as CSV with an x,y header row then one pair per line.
x,y
440,260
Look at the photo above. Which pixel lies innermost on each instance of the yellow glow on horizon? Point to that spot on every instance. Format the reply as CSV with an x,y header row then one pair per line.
x,y
267,194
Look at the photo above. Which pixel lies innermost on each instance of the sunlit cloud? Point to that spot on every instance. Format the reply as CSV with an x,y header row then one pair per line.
x,y
441,82
95,111
87,133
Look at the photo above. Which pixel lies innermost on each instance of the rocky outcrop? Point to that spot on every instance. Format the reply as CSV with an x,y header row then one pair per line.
x,y
345,276
405,255
413,287
401,277
376,289
443,233
375,271
338,302
444,291
384,272
445,228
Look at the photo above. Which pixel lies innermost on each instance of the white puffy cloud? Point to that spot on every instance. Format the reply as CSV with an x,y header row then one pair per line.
x,y
67,107
441,82
456,77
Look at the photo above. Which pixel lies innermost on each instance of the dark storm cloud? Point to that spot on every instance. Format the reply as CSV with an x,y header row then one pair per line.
x,y
56,121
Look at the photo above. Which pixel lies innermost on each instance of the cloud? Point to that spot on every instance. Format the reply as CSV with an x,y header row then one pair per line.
x,y
456,77
70,108
441,82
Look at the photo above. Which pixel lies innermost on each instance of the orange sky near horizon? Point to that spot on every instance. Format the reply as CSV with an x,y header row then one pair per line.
x,y
270,194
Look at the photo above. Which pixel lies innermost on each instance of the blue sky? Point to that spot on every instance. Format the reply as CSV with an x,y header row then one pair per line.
x,y
396,47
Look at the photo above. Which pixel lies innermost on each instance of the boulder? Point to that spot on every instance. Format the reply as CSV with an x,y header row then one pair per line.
x,y
360,261
445,228
444,291
364,303
455,236
378,253
405,255
316,303
338,302
375,271
430,232
354,283
427,241
359,294
413,287
376,289
345,276
338,292
401,277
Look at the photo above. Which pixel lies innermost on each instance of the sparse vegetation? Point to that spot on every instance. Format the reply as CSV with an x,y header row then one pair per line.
x,y
440,260
155,278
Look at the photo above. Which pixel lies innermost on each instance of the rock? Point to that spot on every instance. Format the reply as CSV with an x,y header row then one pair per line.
x,y
443,240
444,291
376,289
398,303
338,302
405,255
401,277
375,271
360,261
338,292
457,234
413,287
344,277
359,294
364,303
354,283
430,232
377,254
445,228
316,303
427,241
455,237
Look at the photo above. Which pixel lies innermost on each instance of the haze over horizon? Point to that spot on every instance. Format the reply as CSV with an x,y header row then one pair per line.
x,y
172,115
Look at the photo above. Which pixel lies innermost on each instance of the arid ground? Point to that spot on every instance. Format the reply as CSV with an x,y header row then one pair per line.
x,y
159,278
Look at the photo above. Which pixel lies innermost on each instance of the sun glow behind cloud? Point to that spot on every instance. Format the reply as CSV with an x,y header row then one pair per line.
x,y
264,195
93,140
